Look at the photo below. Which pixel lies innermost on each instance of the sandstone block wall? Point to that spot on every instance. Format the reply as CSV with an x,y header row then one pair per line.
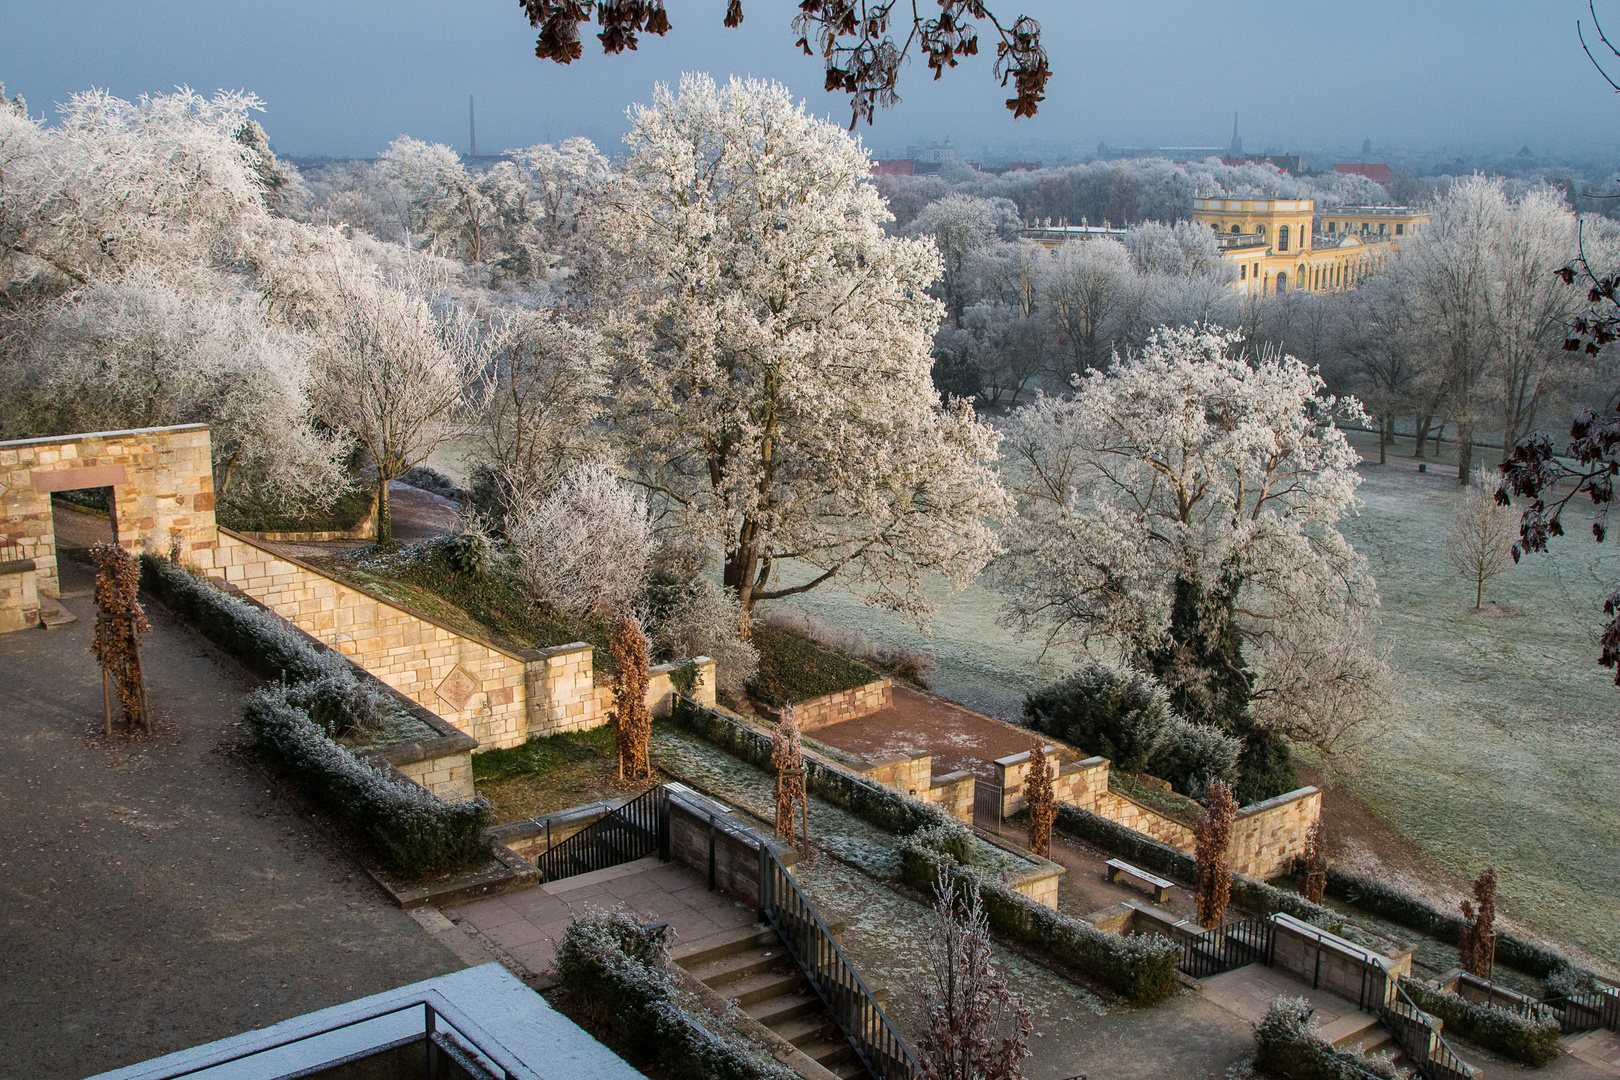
x,y
844,705
474,685
954,793
162,481
19,596
736,846
912,773
1071,783
1329,960
449,777
1268,836
1133,815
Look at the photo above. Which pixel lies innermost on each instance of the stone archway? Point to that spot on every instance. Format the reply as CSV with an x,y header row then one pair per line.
x,y
162,481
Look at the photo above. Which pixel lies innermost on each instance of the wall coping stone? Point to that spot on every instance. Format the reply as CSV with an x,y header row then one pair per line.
x,y
1019,759
1275,801
17,566
52,440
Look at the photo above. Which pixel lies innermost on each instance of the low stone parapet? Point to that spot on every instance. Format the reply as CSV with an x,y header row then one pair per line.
x,y
707,836
19,595
844,705
912,773
1330,961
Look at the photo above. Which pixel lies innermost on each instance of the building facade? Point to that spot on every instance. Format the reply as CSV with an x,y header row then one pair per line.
x,y
1283,244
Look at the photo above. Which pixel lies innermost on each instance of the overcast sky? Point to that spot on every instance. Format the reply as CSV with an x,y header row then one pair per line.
x,y
344,77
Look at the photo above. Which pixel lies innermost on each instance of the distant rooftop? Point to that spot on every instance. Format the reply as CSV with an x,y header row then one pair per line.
x,y
1371,170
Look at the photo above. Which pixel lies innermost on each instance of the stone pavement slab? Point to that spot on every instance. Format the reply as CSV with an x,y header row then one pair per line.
x,y
529,925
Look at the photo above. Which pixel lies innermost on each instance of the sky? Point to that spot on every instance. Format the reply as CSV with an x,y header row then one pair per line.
x,y
345,77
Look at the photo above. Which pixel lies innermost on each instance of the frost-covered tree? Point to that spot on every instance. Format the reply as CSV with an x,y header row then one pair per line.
x,y
401,371
561,179
141,352
961,226
774,395
1480,543
1185,249
1094,299
1182,503
548,382
584,546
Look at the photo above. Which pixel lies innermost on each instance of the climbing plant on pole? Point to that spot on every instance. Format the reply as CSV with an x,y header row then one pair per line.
x,y
1477,947
1042,802
1214,839
787,754
631,720
1313,876
119,624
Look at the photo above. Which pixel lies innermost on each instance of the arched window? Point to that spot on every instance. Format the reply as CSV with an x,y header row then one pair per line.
x,y
1282,240
1236,229
1260,230
1282,279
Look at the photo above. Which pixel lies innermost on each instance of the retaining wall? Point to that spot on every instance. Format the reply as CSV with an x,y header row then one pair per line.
x,y
844,705
498,696
19,595
912,772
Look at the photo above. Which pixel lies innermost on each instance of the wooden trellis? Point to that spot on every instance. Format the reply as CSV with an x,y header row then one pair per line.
x,y
792,804
117,643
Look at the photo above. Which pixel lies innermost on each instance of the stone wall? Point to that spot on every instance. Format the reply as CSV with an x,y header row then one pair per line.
x,y
1268,836
1133,815
162,481
1328,960
912,773
19,595
498,696
693,818
442,764
1075,782
844,705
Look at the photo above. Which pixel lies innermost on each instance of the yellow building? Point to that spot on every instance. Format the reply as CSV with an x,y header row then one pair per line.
x,y
1282,244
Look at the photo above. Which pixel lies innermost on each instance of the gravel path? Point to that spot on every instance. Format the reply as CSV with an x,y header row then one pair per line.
x,y
153,894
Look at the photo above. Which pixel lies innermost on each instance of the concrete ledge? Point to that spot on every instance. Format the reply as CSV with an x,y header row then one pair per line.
x,y
512,872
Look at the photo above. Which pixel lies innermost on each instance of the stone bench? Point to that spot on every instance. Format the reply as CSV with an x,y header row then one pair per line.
x,y
1158,886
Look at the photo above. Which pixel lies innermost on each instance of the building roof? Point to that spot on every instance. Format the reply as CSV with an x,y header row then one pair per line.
x,y
1371,170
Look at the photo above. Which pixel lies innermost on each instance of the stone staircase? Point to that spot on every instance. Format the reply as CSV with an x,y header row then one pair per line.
x,y
1362,1032
753,968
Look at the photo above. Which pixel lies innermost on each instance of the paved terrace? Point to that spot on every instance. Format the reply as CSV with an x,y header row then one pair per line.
x,y
154,895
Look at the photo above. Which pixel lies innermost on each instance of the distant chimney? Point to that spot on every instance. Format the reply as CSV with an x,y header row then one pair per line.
x,y
472,128
1237,143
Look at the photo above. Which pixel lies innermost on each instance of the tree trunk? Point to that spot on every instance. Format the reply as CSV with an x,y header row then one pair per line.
x,y
1421,423
1465,452
1479,593
385,520
1383,438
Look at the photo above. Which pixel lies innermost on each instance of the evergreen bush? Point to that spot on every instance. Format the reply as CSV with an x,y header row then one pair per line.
x,y
417,832
1531,1040
618,972
1140,967
1288,1043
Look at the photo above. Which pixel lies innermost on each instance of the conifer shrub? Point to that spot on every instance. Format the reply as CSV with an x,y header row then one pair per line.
x,y
617,971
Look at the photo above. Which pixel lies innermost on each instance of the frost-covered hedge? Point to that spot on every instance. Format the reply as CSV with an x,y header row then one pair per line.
x,y
335,695
619,972
1531,1040
1404,909
872,802
1288,1043
1141,967
418,832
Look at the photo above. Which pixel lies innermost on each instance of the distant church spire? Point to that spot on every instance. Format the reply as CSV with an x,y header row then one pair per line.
x,y
472,128
1237,143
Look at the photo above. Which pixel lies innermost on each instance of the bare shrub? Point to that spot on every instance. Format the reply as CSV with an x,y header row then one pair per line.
x,y
974,1028
1477,948
1042,801
630,717
1214,837
697,616
787,754
1480,544
1312,880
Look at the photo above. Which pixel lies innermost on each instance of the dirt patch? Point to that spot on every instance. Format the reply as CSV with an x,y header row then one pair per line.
x,y
959,739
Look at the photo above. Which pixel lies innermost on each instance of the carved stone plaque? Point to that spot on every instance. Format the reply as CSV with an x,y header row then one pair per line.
x,y
458,688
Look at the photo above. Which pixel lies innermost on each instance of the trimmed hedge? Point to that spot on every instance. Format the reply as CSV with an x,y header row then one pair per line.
x,y
1141,967
872,802
1403,909
336,696
1530,1040
1150,854
418,832
1287,1042
618,972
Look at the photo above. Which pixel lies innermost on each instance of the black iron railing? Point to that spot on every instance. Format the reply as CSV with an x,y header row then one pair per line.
x,y
1413,1029
781,903
1584,1011
1227,947
634,831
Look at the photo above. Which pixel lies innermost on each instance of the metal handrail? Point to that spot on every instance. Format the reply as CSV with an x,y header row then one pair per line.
x,y
636,829
864,1023
1601,1009
510,1066
1435,1059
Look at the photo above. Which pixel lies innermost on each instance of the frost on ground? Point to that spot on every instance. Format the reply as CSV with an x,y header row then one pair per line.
x,y
884,930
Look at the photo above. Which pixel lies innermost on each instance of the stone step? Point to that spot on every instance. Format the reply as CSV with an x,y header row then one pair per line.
x,y
1346,1029
756,988
775,1011
53,614
831,1051
808,1027
720,973
727,943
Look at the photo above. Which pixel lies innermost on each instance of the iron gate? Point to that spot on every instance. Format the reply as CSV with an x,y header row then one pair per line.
x,y
1251,941
635,830
986,805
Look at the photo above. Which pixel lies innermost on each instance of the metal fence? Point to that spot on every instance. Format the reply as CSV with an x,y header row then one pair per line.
x,y
881,1050
635,830
1381,994
1585,1011
987,805
1226,947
